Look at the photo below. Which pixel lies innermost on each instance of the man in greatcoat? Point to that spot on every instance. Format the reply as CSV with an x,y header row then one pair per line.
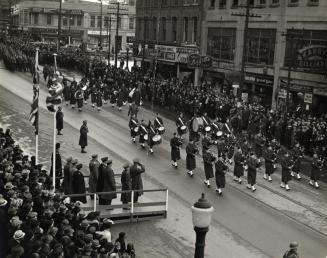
x,y
108,185
99,186
175,144
221,169
208,161
239,160
270,160
58,168
83,136
59,120
287,165
126,185
67,182
136,171
79,184
94,174
191,151
253,164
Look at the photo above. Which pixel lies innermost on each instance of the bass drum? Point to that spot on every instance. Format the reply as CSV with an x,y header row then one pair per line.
x,y
156,139
197,124
146,137
161,130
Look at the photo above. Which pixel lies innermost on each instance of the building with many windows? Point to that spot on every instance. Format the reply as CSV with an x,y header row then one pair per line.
x,y
168,31
80,21
281,34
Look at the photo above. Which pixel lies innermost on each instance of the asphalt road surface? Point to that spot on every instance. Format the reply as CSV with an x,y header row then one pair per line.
x,y
242,226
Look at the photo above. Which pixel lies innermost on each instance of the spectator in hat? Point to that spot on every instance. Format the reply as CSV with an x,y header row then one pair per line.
x,y
67,182
121,241
94,174
83,136
59,120
292,252
3,227
126,185
79,184
58,168
107,183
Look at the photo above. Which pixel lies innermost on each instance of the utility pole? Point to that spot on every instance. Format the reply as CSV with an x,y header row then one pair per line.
x,y
100,42
247,16
59,25
116,37
108,35
144,39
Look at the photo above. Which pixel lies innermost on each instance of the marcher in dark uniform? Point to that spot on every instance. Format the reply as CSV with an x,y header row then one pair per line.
x,y
78,185
270,160
83,136
73,88
206,143
292,252
136,178
287,165
297,154
142,132
239,160
191,151
58,167
208,160
133,123
259,143
316,168
59,120
158,122
175,144
253,164
180,123
126,185
99,99
151,133
133,109
66,92
221,169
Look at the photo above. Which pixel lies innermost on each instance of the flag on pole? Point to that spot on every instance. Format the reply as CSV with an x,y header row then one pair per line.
x,y
34,114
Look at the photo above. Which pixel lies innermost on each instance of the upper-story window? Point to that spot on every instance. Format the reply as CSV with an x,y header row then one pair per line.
x,y
313,2
131,2
79,20
212,3
92,24
174,29
49,19
234,3
293,2
275,2
99,24
131,23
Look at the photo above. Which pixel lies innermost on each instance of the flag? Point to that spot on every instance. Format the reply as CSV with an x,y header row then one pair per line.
x,y
34,114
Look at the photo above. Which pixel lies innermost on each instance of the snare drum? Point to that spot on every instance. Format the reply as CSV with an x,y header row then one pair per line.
x,y
156,139
207,129
136,129
161,130
146,137
183,129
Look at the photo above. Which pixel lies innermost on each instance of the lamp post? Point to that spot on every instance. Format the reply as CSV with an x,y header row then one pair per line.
x,y
201,215
100,41
127,54
116,37
59,25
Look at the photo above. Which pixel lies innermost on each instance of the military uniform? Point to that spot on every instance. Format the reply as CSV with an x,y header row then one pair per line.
x,y
221,169
287,165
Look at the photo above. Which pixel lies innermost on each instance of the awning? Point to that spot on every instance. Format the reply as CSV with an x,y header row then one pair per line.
x,y
73,12
50,11
36,10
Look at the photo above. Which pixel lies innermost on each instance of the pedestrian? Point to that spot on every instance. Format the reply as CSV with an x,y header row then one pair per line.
x,y
83,136
253,164
175,144
59,120
67,181
292,252
316,168
79,184
208,161
136,171
191,151
107,184
58,168
270,160
221,169
287,165
126,185
94,174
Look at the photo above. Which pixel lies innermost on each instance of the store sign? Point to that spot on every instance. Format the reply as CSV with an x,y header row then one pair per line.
x,y
295,86
198,61
313,57
53,31
97,33
259,79
282,94
320,91
307,98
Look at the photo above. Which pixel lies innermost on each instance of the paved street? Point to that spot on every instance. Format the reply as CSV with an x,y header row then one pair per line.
x,y
244,224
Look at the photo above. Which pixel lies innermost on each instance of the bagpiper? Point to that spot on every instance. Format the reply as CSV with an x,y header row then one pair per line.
x,y
287,165
316,168
208,160
191,151
270,161
297,154
133,126
175,144
239,160
221,169
253,164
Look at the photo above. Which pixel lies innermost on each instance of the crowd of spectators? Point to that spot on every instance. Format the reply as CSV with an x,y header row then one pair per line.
x,y
37,222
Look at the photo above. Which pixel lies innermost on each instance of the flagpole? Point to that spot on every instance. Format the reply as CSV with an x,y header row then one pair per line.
x,y
37,118
54,136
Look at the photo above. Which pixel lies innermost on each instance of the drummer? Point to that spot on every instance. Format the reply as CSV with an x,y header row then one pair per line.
x,y
151,134
158,124
206,123
133,126
180,123
143,132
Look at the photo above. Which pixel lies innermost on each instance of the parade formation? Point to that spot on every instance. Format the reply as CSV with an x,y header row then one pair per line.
x,y
217,133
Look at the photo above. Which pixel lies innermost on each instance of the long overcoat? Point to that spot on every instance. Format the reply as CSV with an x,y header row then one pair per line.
x,y
78,186
126,184
83,136
191,151
68,177
59,120
109,183
94,175
136,178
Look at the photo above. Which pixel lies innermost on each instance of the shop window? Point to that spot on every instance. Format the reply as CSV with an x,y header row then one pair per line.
x,y
260,46
79,20
92,21
49,19
131,23
234,4
221,43
174,29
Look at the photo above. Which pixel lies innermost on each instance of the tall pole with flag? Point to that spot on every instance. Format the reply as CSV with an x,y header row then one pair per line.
x,y
34,114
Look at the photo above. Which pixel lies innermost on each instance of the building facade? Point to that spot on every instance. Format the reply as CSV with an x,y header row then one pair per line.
x,y
80,21
168,31
281,34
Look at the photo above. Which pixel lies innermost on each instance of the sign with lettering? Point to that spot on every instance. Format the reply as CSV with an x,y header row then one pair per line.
x,y
307,98
259,79
313,57
198,61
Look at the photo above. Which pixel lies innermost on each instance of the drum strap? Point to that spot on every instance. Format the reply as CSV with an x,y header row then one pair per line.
x,y
181,121
134,122
158,121
143,128
151,129
204,120
216,126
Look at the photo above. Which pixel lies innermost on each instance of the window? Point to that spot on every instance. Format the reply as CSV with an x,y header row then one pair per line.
x,y
195,29
106,21
212,4
131,23
260,46
154,28
49,19
185,37
36,18
222,4
293,2
234,3
163,25
221,43
164,2
313,2
119,22
131,2
71,21
79,20
99,22
262,2
64,21
174,29
146,27
92,21
275,2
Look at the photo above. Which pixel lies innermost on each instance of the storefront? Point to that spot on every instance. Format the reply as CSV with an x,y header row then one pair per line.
x,y
48,34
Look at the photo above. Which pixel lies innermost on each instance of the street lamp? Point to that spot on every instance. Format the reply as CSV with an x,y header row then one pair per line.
x,y
201,215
